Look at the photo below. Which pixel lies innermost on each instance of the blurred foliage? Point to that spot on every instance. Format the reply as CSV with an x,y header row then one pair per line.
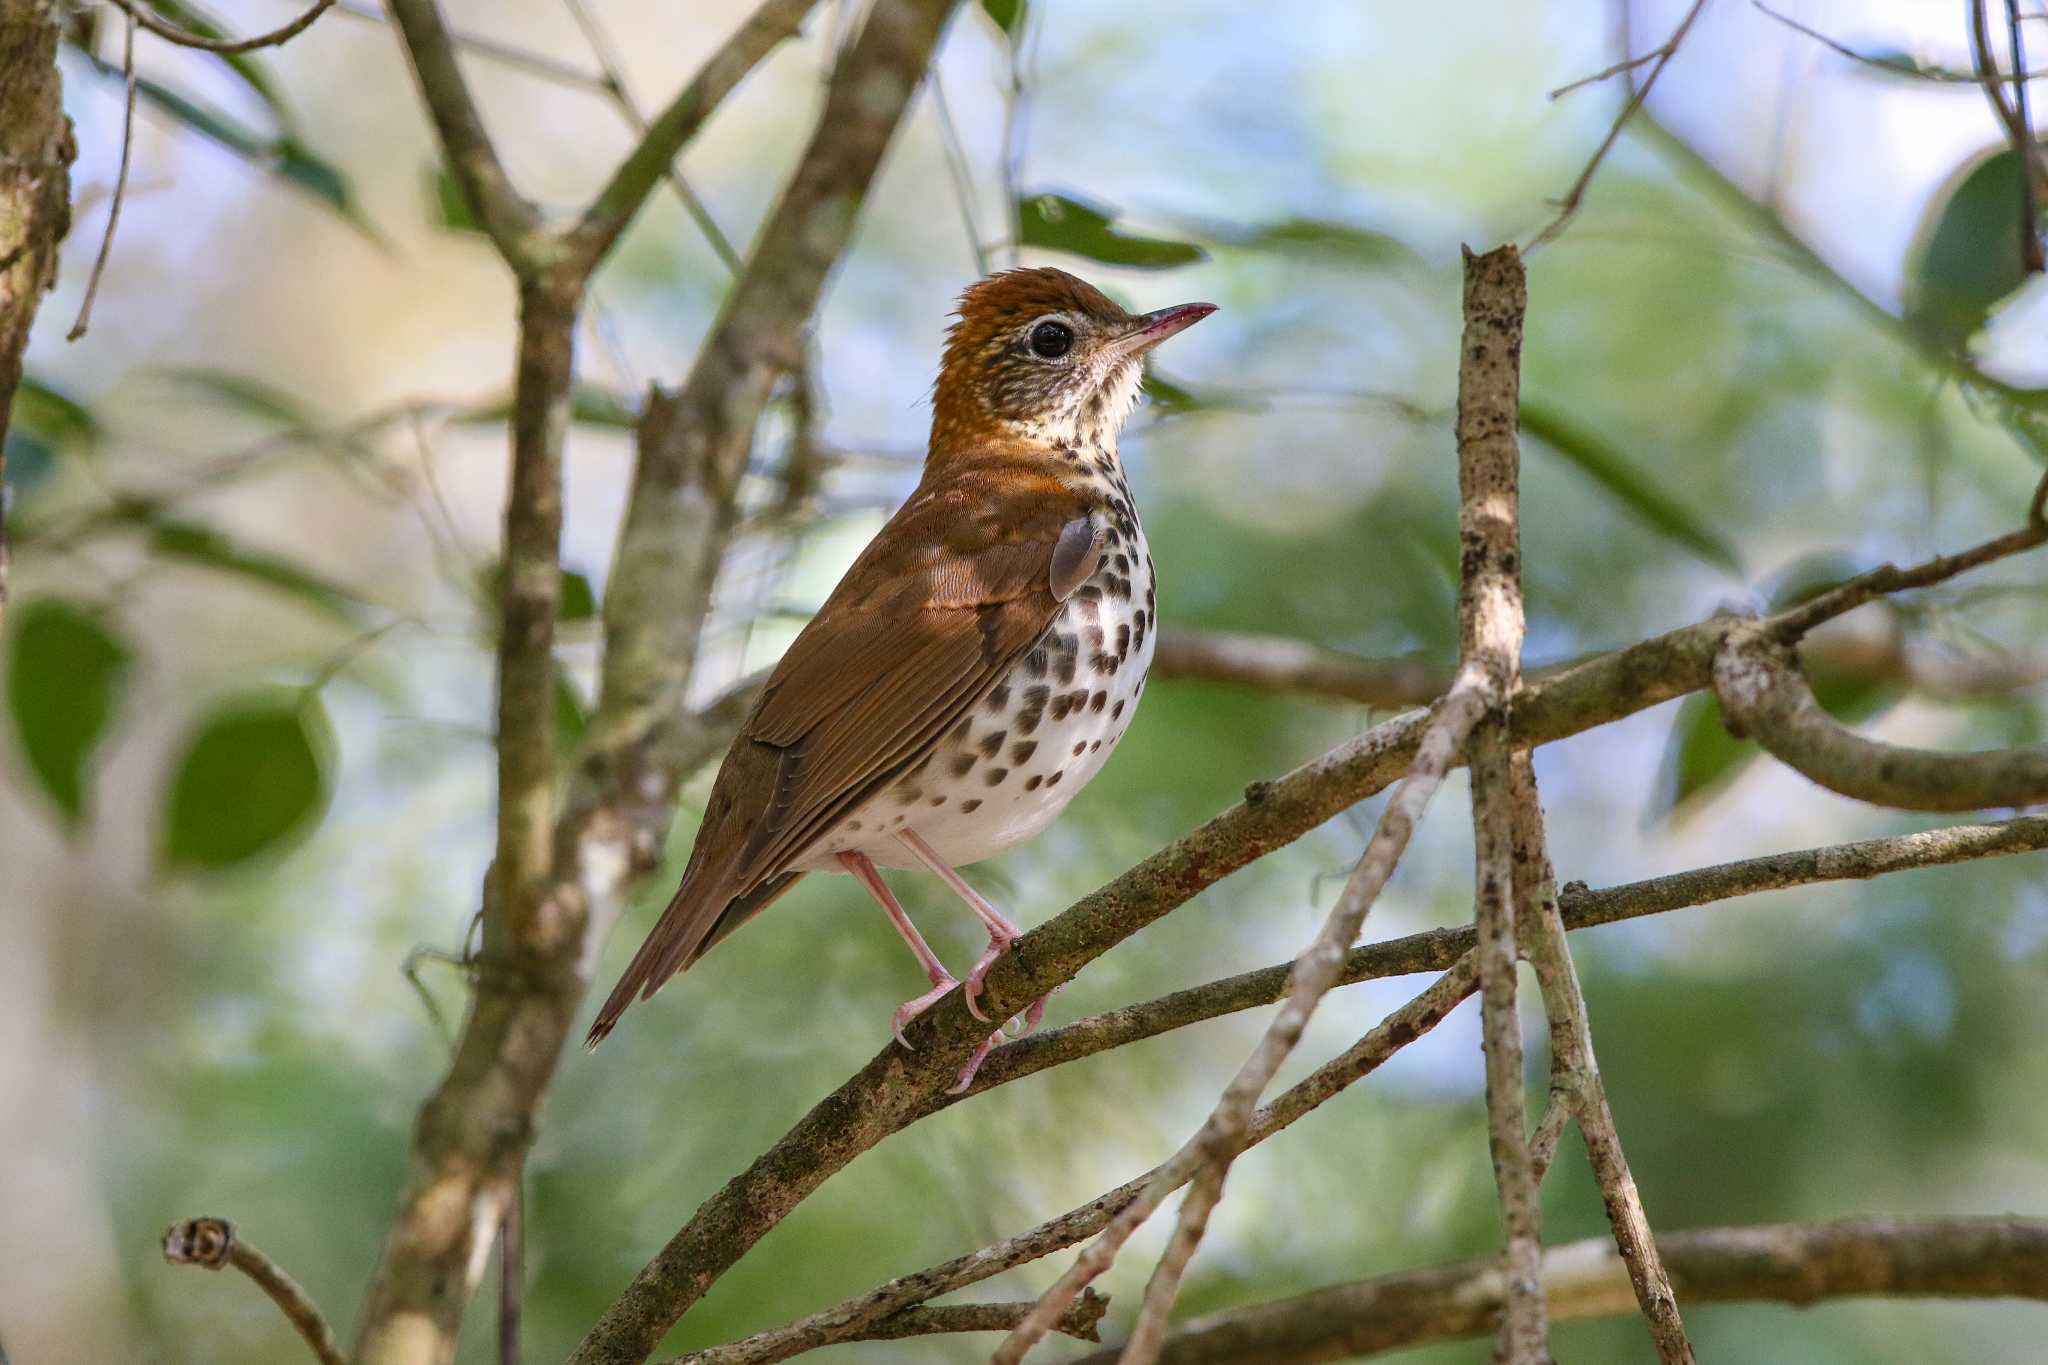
x,y
1969,256
64,680
1060,222
228,675
251,777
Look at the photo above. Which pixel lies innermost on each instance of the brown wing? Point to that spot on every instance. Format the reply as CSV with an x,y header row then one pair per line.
x,y
947,597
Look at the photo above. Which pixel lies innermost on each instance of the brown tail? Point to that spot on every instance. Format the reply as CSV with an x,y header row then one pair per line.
x,y
683,934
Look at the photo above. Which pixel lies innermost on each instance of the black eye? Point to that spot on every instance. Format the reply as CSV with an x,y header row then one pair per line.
x,y
1052,339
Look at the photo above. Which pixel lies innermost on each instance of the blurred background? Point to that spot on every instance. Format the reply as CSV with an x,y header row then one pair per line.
x,y
248,668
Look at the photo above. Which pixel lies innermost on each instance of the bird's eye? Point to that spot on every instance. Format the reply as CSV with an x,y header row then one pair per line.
x,y
1052,339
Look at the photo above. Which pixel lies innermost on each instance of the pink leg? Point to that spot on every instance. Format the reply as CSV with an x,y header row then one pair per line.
x,y
935,970
1001,933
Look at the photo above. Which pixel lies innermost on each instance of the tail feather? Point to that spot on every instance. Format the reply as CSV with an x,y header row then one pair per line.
x,y
684,934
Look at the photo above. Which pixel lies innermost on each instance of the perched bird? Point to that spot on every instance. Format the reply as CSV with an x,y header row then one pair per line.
x,y
977,664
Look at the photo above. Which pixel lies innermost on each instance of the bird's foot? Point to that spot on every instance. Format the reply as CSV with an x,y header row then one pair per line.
x,y
998,944
1025,1024
959,1087
910,1009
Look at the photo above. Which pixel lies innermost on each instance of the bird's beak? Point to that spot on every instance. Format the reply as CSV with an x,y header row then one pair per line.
x,y
1153,328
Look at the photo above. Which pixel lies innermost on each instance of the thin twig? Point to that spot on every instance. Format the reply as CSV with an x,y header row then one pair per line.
x,y
2019,134
1797,1264
2024,148
957,168
1569,205
511,1274
654,158
1212,1149
518,58
896,1087
508,219
614,84
1893,67
1083,1323
210,1243
1606,73
99,264
1432,950
1575,1074
139,13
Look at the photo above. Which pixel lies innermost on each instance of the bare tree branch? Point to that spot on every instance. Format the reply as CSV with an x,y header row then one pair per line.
x,y
1274,663
643,169
1576,1087
36,151
1785,1263
895,1085
1892,66
1490,629
1569,205
1083,1322
1432,950
512,223
99,262
210,1243
1765,696
1396,1031
140,13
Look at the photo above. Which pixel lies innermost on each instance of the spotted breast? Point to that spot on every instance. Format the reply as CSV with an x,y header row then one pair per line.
x,y
1013,762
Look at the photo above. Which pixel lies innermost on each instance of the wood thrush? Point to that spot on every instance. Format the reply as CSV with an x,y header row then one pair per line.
x,y
977,664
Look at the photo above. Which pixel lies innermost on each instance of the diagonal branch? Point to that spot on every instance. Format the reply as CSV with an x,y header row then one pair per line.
x,y
1791,1263
512,223
1432,950
895,1086
1393,1033
613,208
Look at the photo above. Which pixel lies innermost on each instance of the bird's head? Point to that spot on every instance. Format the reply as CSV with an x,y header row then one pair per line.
x,y
1041,354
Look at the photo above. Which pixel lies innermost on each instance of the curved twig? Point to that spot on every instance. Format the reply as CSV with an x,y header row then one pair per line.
x,y
1765,696
227,47
210,1243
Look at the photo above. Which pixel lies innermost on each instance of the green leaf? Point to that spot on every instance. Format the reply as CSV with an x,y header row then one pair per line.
x,y
1058,222
1629,485
251,397
208,548
1967,252
1170,397
65,675
251,778
579,602
1807,577
302,166
44,424
281,155
451,206
53,414
1361,246
1008,16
